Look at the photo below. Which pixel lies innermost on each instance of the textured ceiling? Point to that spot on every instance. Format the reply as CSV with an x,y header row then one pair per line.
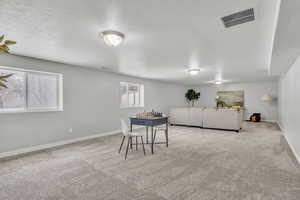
x,y
163,38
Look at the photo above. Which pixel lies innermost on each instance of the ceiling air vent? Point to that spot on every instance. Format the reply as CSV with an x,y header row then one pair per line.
x,y
239,18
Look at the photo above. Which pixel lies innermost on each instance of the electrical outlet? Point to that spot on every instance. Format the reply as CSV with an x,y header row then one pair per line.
x,y
70,130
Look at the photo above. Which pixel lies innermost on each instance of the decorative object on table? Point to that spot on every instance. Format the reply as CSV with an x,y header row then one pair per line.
x,y
230,98
191,96
4,44
267,97
3,80
148,115
256,117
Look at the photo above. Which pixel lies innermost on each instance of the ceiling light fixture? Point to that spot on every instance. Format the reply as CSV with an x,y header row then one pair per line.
x,y
112,38
193,71
218,82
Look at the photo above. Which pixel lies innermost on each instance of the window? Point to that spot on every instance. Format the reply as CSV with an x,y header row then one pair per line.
x,y
131,95
14,96
29,91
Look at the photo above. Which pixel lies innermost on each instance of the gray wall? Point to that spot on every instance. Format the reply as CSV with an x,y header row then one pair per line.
x,y
289,110
253,93
91,105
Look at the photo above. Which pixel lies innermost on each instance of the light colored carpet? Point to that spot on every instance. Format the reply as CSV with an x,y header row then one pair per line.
x,y
199,164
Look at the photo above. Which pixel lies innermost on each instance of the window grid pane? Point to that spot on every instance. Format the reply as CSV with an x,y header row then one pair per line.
x,y
30,91
130,95
123,94
42,91
13,98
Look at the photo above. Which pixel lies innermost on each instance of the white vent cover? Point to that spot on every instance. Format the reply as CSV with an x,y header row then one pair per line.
x,y
239,18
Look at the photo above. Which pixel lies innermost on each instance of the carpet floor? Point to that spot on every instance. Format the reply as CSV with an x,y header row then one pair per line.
x,y
200,164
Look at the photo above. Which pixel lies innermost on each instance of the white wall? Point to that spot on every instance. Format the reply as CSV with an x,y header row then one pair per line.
x,y
91,105
289,110
253,93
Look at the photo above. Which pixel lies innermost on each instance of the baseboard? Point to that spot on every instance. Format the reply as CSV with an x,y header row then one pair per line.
x,y
273,121
281,127
289,143
55,144
292,148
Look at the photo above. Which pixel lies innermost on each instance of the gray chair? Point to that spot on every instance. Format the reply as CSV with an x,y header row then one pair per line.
x,y
129,135
161,129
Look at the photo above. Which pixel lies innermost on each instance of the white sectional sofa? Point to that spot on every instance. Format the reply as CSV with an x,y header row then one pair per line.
x,y
229,119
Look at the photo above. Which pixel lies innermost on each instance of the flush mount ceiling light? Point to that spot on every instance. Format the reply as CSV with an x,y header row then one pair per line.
x,y
193,71
112,38
218,82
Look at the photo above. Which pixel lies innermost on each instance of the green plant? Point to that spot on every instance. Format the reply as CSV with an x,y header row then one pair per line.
x,y
3,80
219,102
191,95
4,44
5,49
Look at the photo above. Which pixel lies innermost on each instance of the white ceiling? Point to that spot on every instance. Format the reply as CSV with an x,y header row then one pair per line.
x,y
163,37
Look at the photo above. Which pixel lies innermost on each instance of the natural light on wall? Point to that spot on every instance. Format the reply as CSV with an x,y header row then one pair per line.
x,y
131,95
31,91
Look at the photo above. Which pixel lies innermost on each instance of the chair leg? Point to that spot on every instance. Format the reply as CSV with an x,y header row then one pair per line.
x,y
147,135
166,134
121,144
154,135
143,145
129,139
130,142
136,143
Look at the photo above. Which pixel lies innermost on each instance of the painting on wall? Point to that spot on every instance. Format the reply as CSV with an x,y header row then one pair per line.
x,y
230,98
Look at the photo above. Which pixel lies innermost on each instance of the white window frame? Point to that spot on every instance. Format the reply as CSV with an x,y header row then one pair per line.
x,y
141,95
41,109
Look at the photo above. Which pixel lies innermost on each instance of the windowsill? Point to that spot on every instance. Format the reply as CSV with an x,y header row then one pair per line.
x,y
30,111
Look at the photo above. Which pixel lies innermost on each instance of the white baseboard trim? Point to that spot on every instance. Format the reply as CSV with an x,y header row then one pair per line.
x,y
289,143
266,120
281,127
55,144
292,148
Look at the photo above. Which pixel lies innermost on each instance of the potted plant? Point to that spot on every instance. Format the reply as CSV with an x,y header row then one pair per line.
x,y
219,102
3,80
5,49
4,44
191,96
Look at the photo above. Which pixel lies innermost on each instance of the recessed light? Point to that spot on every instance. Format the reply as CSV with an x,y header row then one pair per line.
x,y
218,82
193,71
112,38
